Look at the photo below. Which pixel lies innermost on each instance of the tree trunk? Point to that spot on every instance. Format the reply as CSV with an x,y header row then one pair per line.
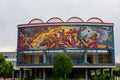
x,y
65,75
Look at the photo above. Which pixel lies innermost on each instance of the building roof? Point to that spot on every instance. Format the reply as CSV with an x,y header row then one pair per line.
x,y
70,21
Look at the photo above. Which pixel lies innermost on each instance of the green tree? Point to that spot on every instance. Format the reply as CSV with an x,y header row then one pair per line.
x,y
6,69
62,64
99,77
2,59
116,73
95,77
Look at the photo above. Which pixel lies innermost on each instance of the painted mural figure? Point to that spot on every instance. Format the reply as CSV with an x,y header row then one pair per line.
x,y
91,42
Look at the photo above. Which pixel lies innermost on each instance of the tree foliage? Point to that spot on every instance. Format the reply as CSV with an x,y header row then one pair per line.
x,y
63,64
6,69
2,59
99,77
116,73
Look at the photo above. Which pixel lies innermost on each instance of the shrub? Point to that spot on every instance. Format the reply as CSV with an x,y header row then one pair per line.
x,y
37,79
101,77
57,79
95,77
81,78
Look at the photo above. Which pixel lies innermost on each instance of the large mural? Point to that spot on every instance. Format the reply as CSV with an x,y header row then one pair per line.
x,y
65,37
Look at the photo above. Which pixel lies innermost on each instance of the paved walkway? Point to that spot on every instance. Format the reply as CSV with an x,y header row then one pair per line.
x,y
8,79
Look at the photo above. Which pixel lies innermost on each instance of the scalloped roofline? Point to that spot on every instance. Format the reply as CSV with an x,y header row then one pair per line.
x,y
70,21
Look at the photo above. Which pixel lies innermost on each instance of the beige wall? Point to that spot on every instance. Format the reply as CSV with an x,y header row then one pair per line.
x,y
36,59
28,59
94,58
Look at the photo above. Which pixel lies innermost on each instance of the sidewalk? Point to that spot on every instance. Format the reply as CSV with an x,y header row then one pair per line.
x,y
9,79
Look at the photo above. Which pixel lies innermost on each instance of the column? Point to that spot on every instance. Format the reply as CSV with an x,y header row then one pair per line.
x,y
32,57
81,57
30,72
86,74
33,75
85,54
111,73
96,56
85,57
101,70
24,74
44,57
13,74
40,73
113,57
95,71
21,73
44,74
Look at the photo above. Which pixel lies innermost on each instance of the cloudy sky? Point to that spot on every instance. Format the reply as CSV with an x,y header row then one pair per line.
x,y
14,12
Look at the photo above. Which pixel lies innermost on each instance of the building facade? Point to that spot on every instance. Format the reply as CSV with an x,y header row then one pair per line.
x,y
90,45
